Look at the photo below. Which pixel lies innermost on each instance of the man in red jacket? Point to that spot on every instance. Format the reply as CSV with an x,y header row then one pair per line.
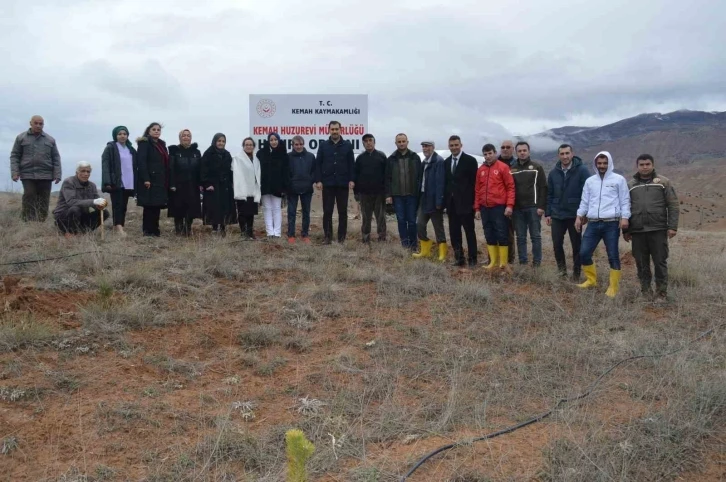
x,y
494,203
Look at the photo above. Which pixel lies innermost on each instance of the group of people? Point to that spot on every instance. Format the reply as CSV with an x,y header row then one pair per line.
x,y
509,193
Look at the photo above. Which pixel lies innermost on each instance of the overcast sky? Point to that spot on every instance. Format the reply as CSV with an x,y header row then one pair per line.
x,y
484,70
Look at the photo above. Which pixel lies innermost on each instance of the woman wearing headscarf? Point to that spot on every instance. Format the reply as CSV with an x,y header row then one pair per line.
x,y
184,184
246,176
216,178
275,168
118,163
152,177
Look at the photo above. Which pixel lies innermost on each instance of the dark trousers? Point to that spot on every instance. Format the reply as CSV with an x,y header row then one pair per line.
x,y
78,220
36,200
150,222
305,200
559,228
652,245
333,195
527,220
437,220
609,232
372,205
456,223
406,207
183,225
119,205
494,222
512,244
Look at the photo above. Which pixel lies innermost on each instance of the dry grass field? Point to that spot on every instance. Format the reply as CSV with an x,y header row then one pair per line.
x,y
175,359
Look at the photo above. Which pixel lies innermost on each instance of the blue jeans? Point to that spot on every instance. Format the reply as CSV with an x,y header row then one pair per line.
x,y
495,226
526,219
609,232
305,200
406,207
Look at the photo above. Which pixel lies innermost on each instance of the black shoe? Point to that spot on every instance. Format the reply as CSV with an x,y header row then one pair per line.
x,y
472,263
459,263
327,241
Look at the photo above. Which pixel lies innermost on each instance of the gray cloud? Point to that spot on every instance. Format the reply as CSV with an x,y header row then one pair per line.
x,y
483,70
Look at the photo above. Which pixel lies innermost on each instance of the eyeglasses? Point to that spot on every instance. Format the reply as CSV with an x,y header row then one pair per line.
x,y
297,144
506,147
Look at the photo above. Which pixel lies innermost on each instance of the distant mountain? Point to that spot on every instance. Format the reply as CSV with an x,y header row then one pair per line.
x,y
676,137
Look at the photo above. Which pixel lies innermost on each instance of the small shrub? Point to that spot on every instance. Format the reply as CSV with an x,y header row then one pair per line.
x,y
299,345
108,316
259,336
22,331
9,445
269,368
172,365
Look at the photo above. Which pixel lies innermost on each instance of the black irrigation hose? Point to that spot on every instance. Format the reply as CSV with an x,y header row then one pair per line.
x,y
42,260
561,402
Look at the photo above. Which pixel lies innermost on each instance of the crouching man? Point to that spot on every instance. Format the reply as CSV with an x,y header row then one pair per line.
x,y
79,203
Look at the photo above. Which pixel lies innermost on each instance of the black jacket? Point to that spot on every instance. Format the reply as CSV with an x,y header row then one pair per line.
x,y
216,171
151,167
302,172
654,205
460,186
111,167
370,173
335,163
403,174
565,192
184,164
274,170
530,184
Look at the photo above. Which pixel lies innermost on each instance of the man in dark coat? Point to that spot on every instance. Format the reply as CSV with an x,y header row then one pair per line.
x,y
460,184
79,203
431,203
35,161
302,179
530,201
403,184
370,186
654,214
564,192
335,165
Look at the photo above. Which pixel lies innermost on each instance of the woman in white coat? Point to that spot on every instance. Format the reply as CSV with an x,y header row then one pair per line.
x,y
246,181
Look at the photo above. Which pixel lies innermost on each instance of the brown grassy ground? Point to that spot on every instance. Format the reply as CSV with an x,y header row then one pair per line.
x,y
186,360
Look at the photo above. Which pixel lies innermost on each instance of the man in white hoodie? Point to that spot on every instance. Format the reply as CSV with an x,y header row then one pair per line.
x,y
605,206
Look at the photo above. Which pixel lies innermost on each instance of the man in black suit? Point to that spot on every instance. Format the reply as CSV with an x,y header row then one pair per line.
x,y
459,197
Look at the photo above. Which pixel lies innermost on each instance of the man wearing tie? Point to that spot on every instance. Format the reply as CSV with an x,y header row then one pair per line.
x,y
459,198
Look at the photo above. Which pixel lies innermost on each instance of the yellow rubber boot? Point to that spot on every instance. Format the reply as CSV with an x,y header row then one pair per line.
x,y
443,251
493,257
503,257
425,251
590,277
614,283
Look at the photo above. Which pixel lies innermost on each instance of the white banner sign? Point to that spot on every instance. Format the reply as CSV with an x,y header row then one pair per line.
x,y
308,116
